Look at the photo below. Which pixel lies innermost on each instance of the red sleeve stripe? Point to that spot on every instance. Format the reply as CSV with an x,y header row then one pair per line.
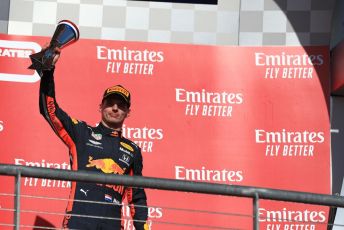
x,y
63,134
130,198
60,130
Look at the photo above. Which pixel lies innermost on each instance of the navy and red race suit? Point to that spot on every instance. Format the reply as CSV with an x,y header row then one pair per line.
x,y
99,149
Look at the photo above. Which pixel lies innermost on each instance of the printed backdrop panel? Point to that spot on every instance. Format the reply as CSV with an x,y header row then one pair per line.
x,y
255,116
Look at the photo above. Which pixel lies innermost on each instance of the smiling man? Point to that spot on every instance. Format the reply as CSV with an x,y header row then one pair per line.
x,y
99,149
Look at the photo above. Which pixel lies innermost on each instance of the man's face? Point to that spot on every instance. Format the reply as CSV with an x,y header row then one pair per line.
x,y
114,110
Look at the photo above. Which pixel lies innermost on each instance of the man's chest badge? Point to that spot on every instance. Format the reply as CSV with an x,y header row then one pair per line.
x,y
96,136
125,159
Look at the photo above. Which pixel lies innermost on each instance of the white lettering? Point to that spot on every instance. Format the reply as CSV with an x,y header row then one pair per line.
x,y
113,67
43,164
125,54
146,146
33,182
142,133
284,136
138,68
15,53
297,72
217,110
273,226
100,52
208,175
298,150
192,109
283,59
299,227
291,215
208,97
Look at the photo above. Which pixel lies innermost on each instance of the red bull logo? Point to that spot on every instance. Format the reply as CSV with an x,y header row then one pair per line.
x,y
107,165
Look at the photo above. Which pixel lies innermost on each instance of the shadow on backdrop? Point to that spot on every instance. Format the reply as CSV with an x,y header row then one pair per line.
x,y
300,23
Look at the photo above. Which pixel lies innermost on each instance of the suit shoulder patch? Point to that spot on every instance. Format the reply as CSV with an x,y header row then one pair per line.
x,y
75,121
127,146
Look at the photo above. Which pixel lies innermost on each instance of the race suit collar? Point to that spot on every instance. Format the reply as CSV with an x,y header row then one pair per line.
x,y
106,130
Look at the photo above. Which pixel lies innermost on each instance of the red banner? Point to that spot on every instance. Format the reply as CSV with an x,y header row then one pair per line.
x,y
255,116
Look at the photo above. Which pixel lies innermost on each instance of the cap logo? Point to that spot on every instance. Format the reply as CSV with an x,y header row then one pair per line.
x,y
119,90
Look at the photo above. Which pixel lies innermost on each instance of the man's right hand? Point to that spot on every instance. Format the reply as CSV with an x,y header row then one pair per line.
x,y
57,53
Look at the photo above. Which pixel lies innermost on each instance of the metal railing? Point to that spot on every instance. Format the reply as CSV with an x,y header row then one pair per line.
x,y
255,193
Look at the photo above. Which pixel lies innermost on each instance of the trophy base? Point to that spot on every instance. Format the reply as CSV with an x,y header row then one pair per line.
x,y
40,62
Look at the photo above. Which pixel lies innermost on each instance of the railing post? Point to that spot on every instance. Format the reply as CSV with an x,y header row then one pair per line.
x,y
256,212
17,201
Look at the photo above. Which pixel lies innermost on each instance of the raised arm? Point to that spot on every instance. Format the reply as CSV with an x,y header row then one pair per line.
x,y
64,126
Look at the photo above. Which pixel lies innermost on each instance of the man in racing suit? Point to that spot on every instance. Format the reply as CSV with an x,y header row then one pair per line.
x,y
98,149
